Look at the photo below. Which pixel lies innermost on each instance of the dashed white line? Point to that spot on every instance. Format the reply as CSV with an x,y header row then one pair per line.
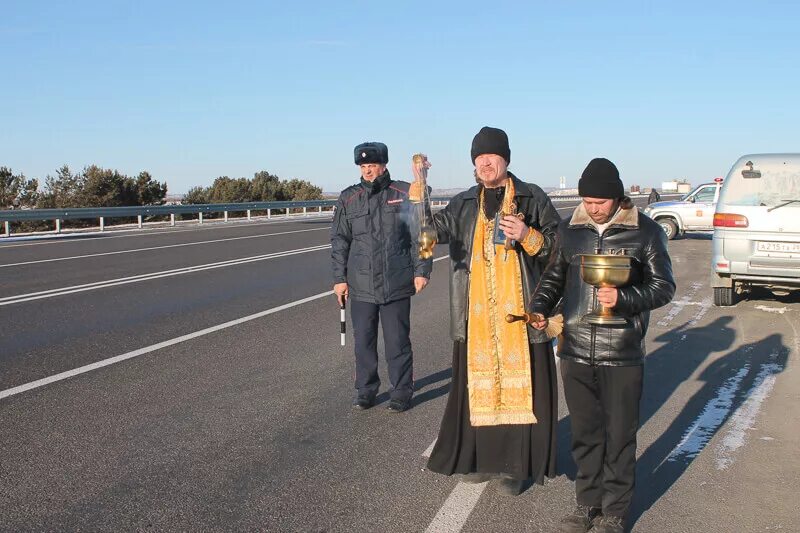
x,y
457,508
429,449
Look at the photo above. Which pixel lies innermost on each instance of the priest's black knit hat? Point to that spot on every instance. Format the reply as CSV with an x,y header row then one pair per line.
x,y
601,180
491,141
371,152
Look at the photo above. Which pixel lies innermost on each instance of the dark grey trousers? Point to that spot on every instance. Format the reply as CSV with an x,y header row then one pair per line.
x,y
395,319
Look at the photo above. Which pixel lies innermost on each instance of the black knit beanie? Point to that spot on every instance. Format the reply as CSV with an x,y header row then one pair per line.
x,y
491,141
601,180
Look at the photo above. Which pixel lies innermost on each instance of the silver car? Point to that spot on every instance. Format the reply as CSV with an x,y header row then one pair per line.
x,y
693,212
757,227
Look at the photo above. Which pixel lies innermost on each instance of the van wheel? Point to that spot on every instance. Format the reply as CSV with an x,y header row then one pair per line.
x,y
669,227
724,296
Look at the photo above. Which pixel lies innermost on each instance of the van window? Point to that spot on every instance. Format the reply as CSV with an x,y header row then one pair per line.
x,y
777,184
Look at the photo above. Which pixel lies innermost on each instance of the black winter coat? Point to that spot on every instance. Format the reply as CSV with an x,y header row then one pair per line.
x,y
374,241
455,225
651,286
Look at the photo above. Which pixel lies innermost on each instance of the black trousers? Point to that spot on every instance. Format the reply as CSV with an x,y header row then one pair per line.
x,y
603,404
395,318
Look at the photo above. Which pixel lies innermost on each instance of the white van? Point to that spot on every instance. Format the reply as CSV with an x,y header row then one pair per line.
x,y
757,227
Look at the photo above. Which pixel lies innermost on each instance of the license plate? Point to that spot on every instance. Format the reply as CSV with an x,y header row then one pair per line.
x,y
785,247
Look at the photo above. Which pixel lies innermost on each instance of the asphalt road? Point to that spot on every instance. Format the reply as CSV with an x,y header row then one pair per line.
x,y
192,379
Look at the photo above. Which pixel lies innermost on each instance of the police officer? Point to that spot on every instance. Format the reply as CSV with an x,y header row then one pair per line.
x,y
376,266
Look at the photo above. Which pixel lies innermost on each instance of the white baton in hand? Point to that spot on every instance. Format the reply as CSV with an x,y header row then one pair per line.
x,y
344,323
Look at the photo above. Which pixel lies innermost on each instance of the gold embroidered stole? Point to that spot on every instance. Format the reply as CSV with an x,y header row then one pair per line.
x,y
498,353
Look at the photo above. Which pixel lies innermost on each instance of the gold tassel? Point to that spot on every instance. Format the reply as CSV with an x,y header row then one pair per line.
x,y
555,325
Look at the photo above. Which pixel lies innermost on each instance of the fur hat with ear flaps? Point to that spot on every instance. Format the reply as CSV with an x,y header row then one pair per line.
x,y
371,152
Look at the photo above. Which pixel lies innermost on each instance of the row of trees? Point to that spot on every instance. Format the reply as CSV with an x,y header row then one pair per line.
x,y
16,190
101,187
93,187
264,187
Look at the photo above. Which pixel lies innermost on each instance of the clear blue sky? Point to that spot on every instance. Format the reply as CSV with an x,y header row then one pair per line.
x,y
193,90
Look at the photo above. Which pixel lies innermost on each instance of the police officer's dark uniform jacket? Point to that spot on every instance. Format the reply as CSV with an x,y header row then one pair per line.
x,y
651,286
373,241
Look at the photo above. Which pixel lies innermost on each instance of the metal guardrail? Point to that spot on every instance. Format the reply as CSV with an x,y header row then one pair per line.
x,y
102,213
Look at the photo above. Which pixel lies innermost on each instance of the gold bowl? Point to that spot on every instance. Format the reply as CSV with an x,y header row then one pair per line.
x,y
605,270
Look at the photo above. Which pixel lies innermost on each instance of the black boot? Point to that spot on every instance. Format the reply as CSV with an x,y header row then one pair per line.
x,y
474,478
362,403
580,520
512,486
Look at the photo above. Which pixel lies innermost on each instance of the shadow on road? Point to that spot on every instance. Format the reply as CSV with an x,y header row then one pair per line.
x,y
419,384
729,382
665,369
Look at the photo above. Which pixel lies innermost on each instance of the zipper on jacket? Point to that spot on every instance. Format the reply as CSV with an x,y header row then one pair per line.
x,y
593,337
381,202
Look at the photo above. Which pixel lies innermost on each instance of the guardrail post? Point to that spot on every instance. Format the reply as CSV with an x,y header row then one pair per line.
x,y
102,223
319,209
226,216
269,214
8,228
139,219
201,217
248,215
58,225
172,219
305,211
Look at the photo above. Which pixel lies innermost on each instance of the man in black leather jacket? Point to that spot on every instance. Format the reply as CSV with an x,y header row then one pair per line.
x,y
520,452
601,366
376,265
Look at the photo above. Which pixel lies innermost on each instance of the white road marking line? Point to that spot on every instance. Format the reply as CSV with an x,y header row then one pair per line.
x,y
148,349
150,248
152,348
457,508
8,300
429,449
